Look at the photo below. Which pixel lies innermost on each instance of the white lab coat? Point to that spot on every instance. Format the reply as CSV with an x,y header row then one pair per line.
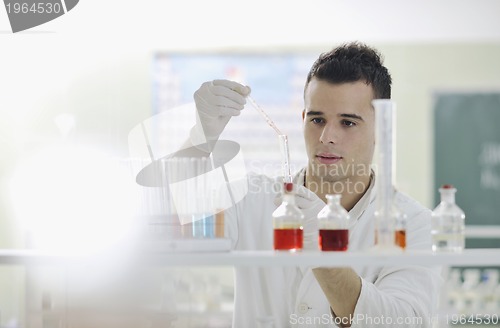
x,y
291,297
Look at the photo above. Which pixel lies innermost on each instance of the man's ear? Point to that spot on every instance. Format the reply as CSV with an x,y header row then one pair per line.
x,y
303,114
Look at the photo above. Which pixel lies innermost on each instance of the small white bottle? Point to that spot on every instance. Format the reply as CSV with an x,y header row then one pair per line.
x,y
333,225
288,223
448,223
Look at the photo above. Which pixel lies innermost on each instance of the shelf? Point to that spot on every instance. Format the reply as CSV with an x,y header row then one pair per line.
x,y
485,231
469,257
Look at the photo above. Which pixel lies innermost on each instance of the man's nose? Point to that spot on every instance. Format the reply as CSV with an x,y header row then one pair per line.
x,y
329,134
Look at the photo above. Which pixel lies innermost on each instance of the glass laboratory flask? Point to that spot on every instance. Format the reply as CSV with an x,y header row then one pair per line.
x,y
448,223
288,223
400,229
333,225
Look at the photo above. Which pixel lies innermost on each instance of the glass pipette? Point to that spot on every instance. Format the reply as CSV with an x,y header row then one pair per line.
x,y
283,139
266,117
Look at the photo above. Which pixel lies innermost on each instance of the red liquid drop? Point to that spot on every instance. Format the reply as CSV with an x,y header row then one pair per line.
x,y
333,240
288,239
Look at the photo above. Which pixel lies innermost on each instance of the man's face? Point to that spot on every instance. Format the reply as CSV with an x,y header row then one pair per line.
x,y
339,129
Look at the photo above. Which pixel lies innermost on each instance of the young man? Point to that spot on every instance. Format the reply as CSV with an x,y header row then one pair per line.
x,y
339,123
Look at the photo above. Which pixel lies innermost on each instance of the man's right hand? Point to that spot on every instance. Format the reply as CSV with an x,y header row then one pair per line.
x,y
216,102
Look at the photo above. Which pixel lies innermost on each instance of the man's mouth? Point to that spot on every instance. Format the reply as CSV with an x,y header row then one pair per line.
x,y
327,158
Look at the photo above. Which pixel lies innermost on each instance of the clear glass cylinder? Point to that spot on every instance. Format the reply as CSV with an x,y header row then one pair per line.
x,y
448,223
385,218
333,225
288,223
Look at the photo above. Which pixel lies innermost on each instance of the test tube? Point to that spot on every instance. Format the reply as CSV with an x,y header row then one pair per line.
x,y
218,215
384,217
285,158
203,220
205,198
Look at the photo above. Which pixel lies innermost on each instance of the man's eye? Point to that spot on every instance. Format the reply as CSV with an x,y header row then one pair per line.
x,y
317,120
348,123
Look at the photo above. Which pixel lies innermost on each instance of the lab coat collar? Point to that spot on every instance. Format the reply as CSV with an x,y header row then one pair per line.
x,y
369,197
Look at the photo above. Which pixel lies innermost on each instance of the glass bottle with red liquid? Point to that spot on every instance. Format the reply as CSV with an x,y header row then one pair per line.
x,y
288,223
333,225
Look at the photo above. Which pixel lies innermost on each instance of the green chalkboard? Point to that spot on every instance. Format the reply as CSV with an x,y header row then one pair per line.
x,y
467,152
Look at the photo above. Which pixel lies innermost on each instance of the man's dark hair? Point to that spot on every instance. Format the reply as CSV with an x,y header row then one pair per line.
x,y
353,62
